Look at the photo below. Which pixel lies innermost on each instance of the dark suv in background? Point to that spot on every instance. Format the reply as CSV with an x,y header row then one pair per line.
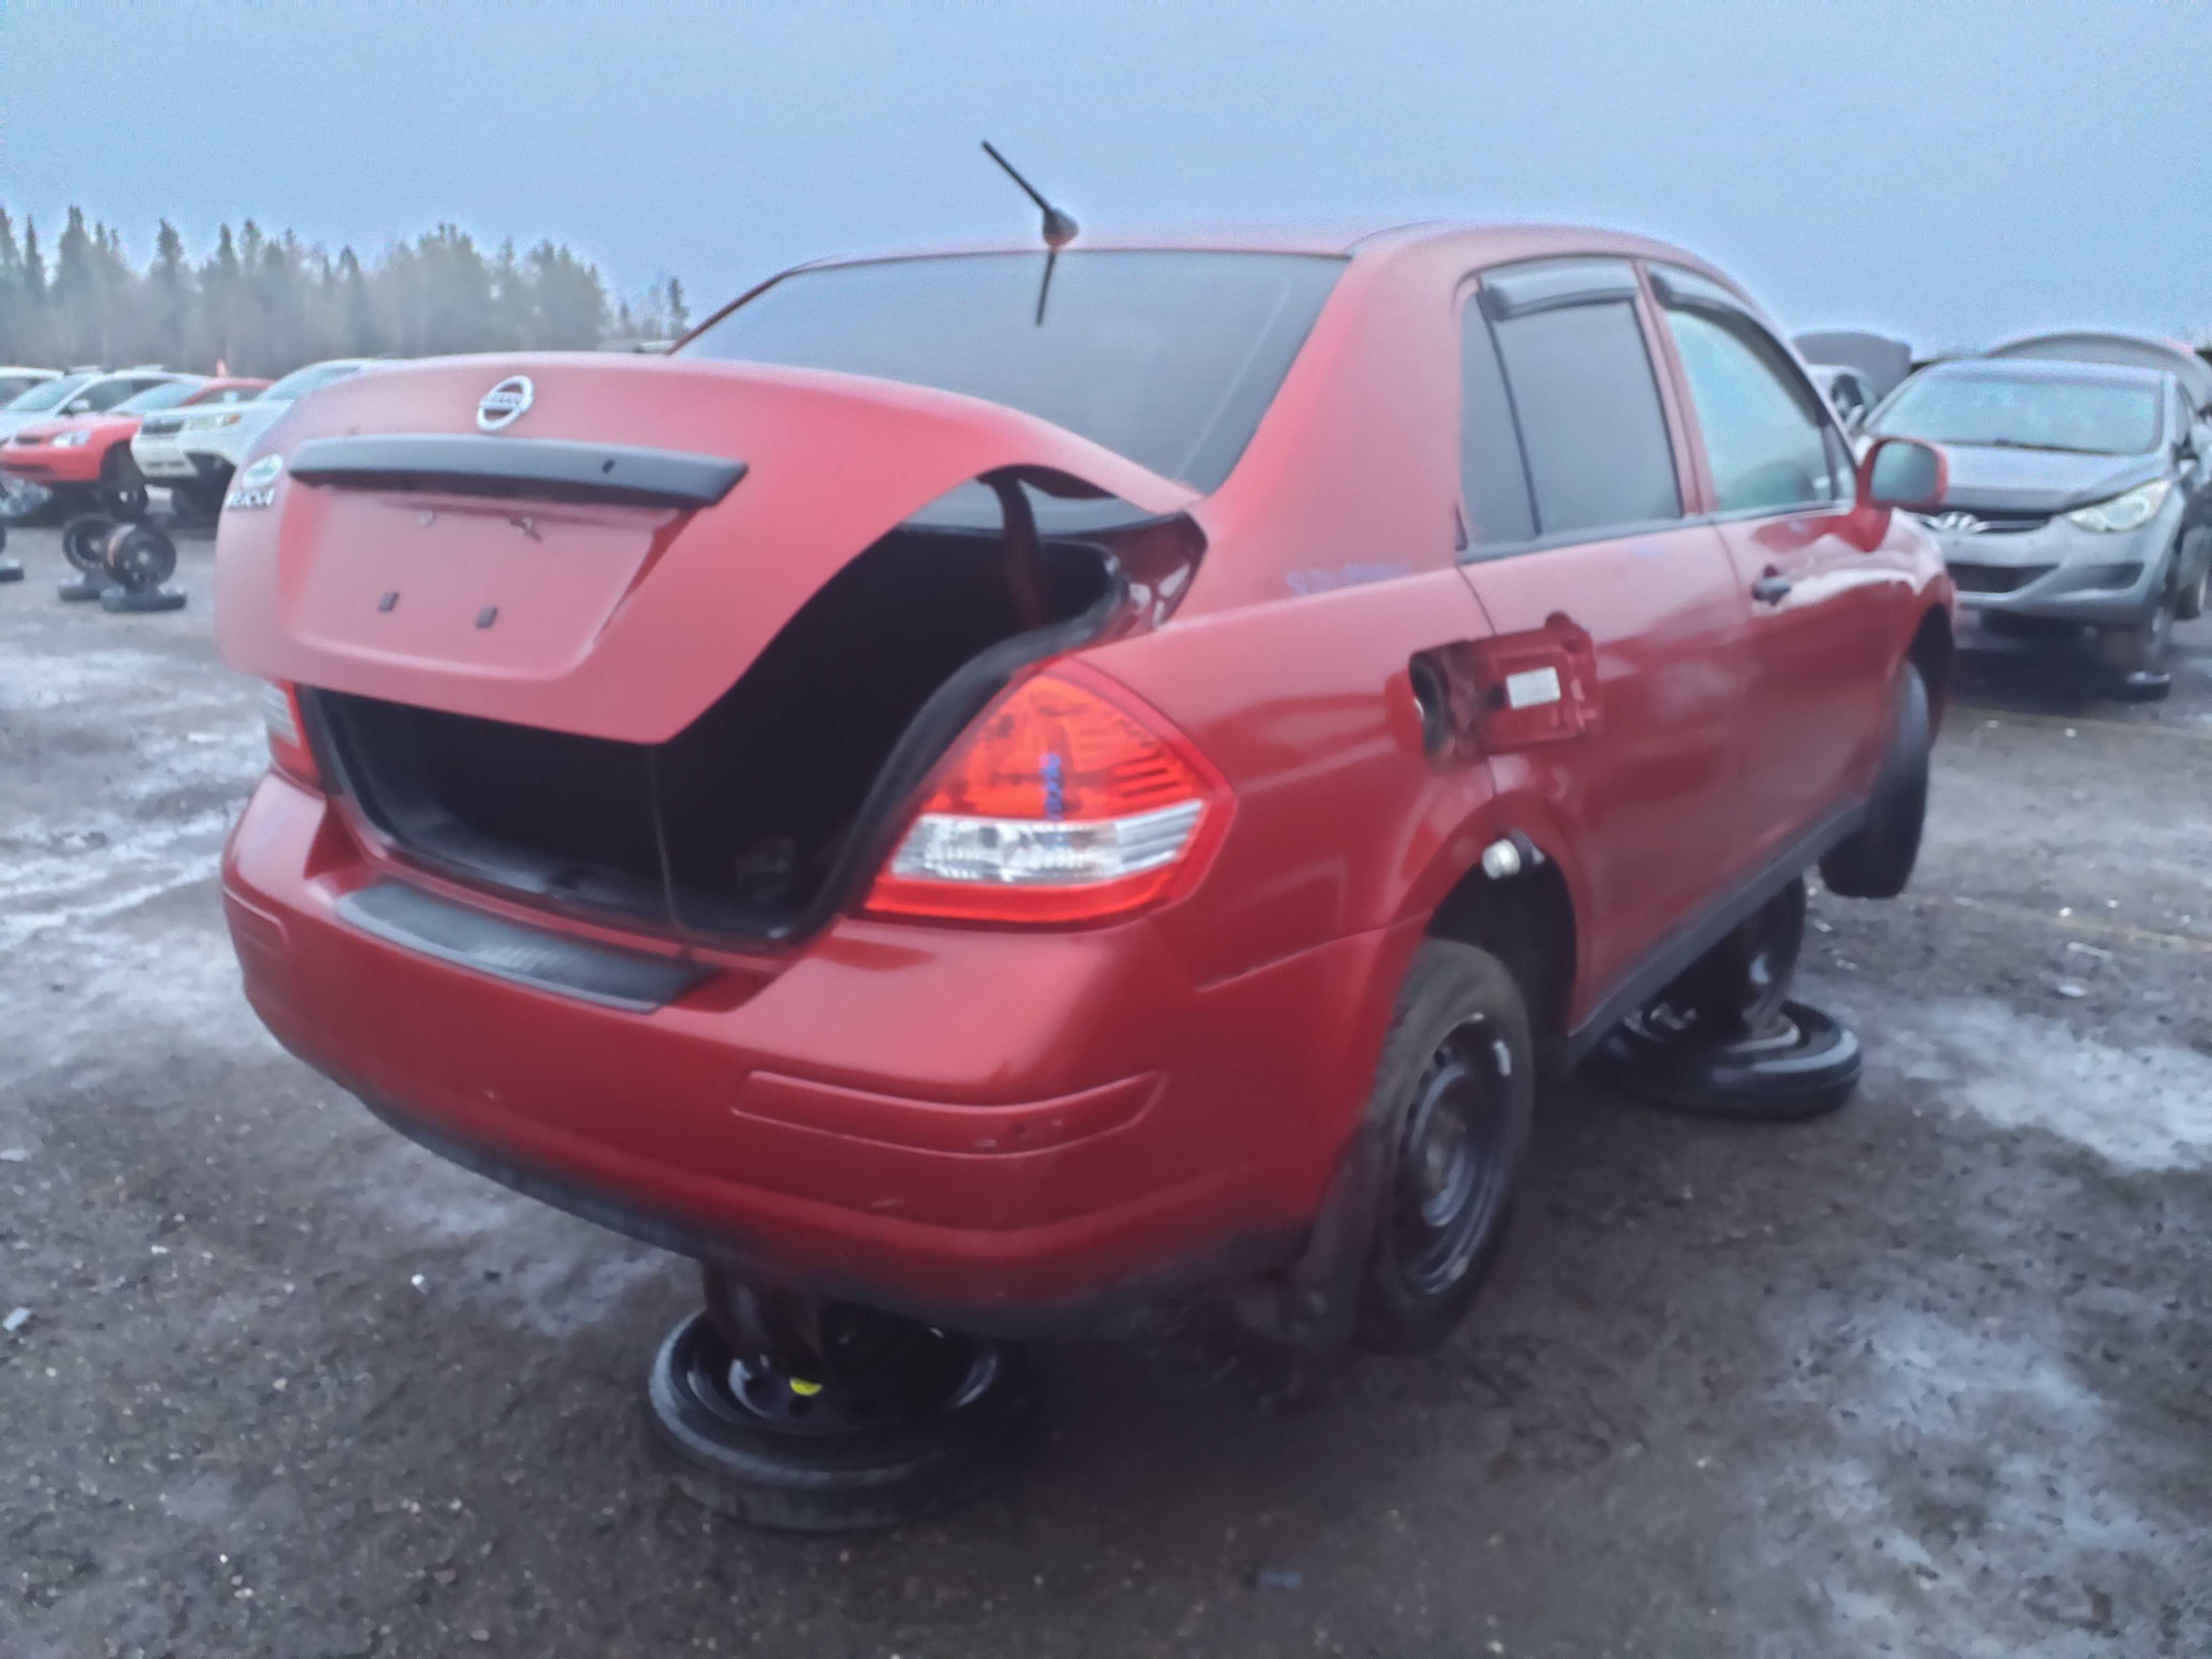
x,y
2080,491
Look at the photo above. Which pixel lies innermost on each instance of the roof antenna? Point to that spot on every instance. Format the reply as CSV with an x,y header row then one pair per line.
x,y
1058,229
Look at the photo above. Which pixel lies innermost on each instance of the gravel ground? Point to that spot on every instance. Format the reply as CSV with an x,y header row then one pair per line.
x,y
1933,1375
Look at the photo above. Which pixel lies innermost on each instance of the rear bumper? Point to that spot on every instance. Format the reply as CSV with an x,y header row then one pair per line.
x,y
1022,1134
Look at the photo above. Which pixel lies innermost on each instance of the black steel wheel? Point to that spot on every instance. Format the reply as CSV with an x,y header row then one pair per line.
x,y
139,557
123,494
930,1419
1799,1063
84,543
1449,1122
1450,1186
1737,985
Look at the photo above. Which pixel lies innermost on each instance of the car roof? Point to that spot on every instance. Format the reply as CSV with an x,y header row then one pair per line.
x,y
1375,237
140,374
2109,346
2051,369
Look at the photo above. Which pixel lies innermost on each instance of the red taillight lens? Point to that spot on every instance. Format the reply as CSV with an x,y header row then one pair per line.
x,y
287,733
1067,802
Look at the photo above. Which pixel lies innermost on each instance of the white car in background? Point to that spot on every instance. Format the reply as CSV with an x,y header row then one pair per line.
x,y
156,448
205,451
16,380
42,399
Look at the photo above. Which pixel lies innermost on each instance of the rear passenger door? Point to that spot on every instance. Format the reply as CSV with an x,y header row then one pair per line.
x,y
1825,615
1576,508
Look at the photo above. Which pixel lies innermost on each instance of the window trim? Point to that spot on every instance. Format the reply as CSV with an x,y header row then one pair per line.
x,y
1691,491
1710,299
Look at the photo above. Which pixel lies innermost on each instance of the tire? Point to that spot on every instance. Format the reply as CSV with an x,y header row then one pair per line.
x,y
2137,653
84,543
1803,1063
1738,984
1876,860
2193,585
138,556
194,504
1453,1102
716,1428
122,490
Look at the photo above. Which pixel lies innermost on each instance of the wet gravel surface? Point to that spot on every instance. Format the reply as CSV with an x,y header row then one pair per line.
x,y
1933,1375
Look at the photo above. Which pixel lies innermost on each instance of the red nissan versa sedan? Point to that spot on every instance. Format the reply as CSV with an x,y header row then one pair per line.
x,y
974,803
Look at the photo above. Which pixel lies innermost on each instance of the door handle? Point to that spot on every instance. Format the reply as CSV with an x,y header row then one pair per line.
x,y
1771,588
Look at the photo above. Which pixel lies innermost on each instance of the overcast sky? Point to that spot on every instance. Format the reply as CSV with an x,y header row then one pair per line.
x,y
1951,170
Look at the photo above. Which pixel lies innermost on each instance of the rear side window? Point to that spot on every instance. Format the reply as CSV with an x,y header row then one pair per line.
x,y
1492,476
1764,440
1587,408
1169,358
167,394
108,394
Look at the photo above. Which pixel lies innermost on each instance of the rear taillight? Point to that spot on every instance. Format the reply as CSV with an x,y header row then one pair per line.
x,y
1068,802
287,733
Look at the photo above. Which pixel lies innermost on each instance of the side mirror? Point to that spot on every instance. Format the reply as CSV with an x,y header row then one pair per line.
x,y
1903,473
78,406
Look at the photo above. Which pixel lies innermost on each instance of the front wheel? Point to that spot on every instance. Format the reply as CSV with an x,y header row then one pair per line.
x,y
1875,859
194,504
1451,1111
2193,587
2137,651
122,491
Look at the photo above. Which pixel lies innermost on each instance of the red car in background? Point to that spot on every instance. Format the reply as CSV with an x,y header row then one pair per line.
x,y
993,804
84,460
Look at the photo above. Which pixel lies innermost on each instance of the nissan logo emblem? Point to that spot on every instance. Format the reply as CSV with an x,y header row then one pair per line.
x,y
505,404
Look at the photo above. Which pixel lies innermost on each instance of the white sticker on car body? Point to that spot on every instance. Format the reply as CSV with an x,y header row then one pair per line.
x,y
1532,686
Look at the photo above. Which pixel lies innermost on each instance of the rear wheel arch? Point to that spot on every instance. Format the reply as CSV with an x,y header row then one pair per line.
x,y
1527,922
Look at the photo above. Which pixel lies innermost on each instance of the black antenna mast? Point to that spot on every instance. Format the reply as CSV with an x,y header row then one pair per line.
x,y
1058,229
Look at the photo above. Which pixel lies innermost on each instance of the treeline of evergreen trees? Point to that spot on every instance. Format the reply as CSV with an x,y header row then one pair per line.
x,y
259,304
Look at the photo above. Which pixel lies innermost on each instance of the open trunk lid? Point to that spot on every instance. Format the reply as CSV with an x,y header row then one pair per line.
x,y
609,559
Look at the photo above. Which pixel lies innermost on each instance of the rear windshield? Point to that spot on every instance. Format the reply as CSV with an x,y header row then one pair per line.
x,y
165,396
48,394
1167,358
2090,417
300,381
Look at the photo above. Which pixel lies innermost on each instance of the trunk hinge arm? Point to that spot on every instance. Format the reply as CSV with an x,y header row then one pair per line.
x,y
1024,561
